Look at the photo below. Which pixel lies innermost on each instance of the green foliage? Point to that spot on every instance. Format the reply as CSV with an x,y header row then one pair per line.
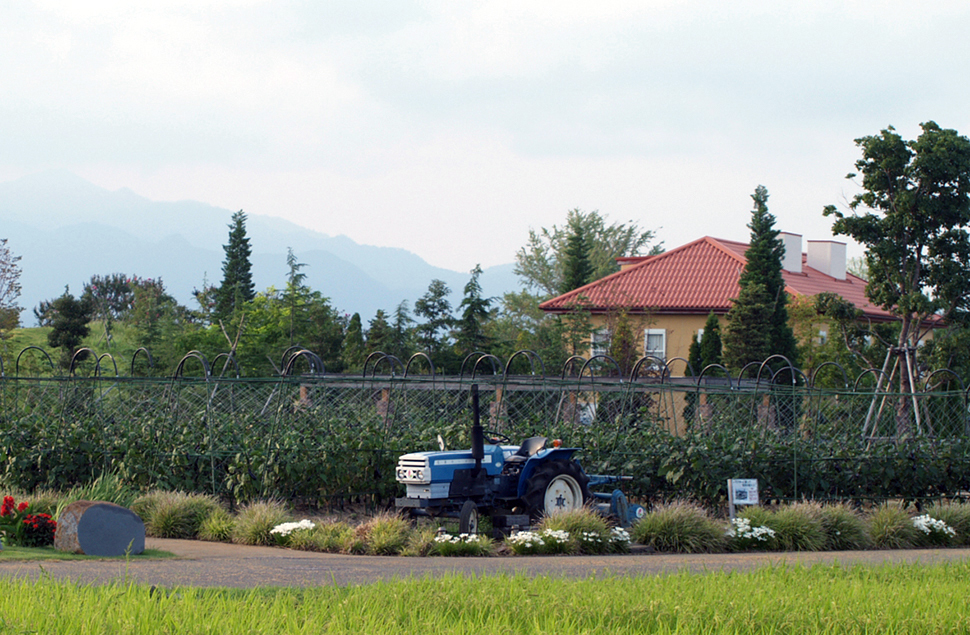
x,y
110,488
912,219
354,351
380,335
680,527
541,263
9,289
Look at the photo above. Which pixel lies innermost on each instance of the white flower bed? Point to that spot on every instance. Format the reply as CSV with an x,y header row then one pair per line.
x,y
929,526
285,529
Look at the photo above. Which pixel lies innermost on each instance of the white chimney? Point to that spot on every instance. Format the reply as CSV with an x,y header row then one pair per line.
x,y
828,257
792,262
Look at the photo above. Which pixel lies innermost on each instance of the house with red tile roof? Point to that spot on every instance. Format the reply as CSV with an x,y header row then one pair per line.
x,y
674,292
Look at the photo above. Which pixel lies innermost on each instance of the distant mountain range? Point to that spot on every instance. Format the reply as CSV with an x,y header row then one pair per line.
x,y
67,229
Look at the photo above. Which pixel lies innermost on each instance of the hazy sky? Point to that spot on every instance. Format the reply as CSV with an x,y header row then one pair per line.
x,y
451,128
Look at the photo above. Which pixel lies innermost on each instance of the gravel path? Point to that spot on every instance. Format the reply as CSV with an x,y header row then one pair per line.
x,y
221,565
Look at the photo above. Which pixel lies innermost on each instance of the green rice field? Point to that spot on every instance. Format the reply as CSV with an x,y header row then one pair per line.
x,y
822,599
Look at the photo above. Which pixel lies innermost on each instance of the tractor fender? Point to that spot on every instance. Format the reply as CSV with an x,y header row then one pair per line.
x,y
540,458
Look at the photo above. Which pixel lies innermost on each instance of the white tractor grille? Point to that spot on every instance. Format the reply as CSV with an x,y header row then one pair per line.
x,y
413,469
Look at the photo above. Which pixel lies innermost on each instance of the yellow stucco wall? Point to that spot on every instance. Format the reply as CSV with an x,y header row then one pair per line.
x,y
678,329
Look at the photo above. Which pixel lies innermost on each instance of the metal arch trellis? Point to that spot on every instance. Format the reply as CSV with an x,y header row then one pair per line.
x,y
818,369
148,355
178,380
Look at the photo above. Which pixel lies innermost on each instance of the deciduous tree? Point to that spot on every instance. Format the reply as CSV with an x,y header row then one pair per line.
x,y
912,218
9,288
541,263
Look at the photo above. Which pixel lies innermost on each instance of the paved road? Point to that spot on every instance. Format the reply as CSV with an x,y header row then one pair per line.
x,y
221,565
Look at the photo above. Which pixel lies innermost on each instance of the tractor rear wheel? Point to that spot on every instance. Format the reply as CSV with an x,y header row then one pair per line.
x,y
557,486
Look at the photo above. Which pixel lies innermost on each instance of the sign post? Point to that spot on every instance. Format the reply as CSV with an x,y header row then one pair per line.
x,y
741,491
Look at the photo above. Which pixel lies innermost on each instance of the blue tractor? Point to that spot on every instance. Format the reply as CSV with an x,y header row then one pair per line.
x,y
514,485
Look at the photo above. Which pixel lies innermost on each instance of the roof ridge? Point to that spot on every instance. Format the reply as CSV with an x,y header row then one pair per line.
x,y
718,243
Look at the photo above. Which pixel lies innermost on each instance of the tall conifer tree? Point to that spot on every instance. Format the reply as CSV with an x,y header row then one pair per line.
x,y
758,322
237,279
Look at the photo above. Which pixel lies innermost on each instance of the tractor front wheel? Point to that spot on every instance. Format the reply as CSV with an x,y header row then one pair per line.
x,y
468,518
557,486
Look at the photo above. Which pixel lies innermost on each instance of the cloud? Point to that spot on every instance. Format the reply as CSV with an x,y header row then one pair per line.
x,y
422,123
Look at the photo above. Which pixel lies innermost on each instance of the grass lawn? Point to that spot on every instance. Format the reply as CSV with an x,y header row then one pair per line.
x,y
823,599
49,553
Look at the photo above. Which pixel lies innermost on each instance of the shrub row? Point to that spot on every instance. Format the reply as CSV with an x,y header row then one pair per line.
x,y
246,441
682,527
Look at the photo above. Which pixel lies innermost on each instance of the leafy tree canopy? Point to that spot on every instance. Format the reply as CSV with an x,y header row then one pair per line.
x,y
542,262
912,218
9,288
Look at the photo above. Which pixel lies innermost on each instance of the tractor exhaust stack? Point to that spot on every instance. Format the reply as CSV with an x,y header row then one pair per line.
x,y
478,435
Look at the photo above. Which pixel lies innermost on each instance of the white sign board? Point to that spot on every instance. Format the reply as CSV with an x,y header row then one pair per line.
x,y
742,491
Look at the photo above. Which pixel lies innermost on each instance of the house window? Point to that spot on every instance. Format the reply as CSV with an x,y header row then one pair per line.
x,y
823,336
601,342
700,335
655,343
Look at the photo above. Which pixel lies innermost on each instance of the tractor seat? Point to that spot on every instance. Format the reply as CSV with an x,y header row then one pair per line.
x,y
528,448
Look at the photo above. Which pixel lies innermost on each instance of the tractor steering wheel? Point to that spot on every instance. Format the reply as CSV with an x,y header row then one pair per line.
x,y
494,435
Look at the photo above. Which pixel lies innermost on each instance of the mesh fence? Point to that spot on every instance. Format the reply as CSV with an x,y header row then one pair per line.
x,y
323,438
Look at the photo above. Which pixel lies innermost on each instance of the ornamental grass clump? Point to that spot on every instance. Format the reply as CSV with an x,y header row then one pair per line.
x,y
445,544
176,514
255,522
382,535
109,488
588,531
799,528
680,527
890,527
845,529
217,526
421,541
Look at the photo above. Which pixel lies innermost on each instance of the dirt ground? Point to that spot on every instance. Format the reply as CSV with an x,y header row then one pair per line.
x,y
206,564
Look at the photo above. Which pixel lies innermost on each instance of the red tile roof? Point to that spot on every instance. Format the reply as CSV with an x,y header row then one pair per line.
x,y
697,278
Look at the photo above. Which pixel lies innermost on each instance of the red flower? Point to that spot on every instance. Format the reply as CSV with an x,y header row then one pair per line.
x,y
23,506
